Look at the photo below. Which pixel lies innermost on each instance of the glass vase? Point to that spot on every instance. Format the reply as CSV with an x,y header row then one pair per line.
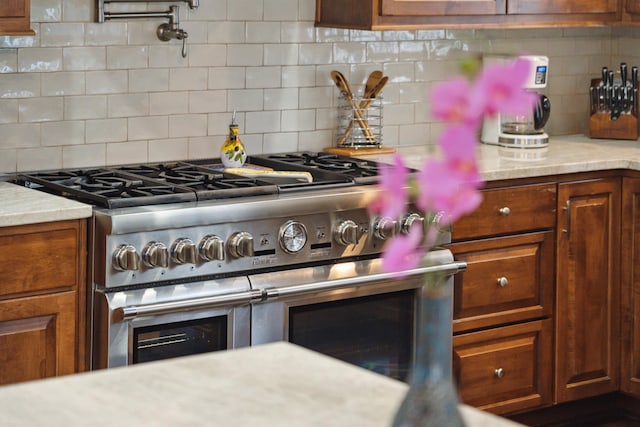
x,y
432,399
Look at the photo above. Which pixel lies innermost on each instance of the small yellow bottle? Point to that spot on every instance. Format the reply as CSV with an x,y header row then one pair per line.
x,y
233,153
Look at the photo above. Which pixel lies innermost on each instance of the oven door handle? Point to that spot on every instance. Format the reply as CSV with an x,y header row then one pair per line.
x,y
327,285
234,299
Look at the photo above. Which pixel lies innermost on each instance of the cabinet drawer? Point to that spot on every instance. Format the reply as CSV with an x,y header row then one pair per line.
x,y
40,257
508,279
505,369
510,210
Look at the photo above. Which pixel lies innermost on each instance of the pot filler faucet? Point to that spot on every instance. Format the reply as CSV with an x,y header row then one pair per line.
x,y
166,31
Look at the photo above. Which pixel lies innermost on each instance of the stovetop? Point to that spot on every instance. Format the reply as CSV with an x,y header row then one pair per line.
x,y
175,182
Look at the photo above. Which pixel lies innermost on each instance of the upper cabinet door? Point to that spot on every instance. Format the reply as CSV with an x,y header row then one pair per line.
x,y
442,8
15,17
561,6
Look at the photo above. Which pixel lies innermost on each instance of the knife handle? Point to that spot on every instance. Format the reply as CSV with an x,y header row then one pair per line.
x,y
605,76
623,74
610,83
634,77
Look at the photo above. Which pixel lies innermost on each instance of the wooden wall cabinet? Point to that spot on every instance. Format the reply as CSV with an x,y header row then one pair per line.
x,y
503,302
414,14
42,300
630,295
587,289
15,17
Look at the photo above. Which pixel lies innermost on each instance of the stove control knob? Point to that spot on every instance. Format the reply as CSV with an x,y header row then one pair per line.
x,y
125,258
346,232
240,245
385,228
211,248
411,219
155,254
184,251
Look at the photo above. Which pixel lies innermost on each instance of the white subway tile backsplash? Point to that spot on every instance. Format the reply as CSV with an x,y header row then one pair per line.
x,y
106,82
41,158
245,10
280,10
257,121
78,11
281,99
226,32
84,58
211,10
183,125
298,120
202,55
398,114
150,80
307,10
204,147
124,57
246,100
128,105
8,161
226,78
281,54
298,76
349,53
188,79
62,133
40,109
413,134
85,107
8,110
61,34
207,101
165,103
19,135
244,54
105,130
263,32
315,54
316,97
280,142
315,141
8,61
63,83
127,153
46,10
168,150
82,156
141,32
101,34
153,127
301,32
39,60
168,55
263,77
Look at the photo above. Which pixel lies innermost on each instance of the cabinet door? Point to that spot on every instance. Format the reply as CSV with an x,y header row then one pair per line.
x,y
632,6
37,337
562,6
443,8
588,290
630,300
15,17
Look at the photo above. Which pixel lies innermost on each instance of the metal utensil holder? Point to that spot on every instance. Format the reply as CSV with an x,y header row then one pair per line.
x,y
359,122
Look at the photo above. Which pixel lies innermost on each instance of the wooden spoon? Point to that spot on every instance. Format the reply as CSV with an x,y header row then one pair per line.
x,y
370,96
372,81
344,87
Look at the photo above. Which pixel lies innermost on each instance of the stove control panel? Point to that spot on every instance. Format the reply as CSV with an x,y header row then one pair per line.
x,y
275,239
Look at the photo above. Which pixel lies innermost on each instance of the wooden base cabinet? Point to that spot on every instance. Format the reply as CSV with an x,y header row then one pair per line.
x,y
587,289
42,300
630,295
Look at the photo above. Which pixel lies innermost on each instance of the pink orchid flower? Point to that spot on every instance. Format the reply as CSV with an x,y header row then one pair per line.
x,y
403,252
450,101
394,194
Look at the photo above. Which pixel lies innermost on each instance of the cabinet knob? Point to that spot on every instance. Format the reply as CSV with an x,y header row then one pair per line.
x,y
502,281
505,211
499,372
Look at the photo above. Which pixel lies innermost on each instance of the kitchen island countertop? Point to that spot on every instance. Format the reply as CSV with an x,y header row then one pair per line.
x,y
21,206
278,384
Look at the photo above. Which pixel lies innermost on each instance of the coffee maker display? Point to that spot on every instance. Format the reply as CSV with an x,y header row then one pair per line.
x,y
527,130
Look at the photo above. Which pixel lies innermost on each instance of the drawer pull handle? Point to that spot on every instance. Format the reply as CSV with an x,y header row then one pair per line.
x,y
499,372
505,211
502,281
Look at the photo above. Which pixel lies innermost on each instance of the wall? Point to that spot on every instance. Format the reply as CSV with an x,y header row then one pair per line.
x,y
83,94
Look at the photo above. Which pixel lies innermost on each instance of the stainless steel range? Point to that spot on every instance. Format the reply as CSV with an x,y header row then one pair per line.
x,y
188,258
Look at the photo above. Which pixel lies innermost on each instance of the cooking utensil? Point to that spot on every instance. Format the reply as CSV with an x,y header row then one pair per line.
x,y
344,87
261,173
372,81
370,95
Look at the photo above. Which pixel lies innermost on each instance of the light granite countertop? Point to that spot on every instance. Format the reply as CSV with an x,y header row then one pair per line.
x,y
277,384
22,206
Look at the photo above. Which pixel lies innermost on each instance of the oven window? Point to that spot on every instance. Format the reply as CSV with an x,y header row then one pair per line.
x,y
165,341
374,332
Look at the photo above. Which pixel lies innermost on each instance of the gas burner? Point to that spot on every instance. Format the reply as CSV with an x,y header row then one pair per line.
x,y
107,188
207,183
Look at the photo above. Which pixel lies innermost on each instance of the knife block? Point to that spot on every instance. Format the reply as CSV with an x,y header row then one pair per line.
x,y
601,126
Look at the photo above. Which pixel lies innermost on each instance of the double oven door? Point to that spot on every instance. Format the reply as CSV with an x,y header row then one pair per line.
x,y
350,310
